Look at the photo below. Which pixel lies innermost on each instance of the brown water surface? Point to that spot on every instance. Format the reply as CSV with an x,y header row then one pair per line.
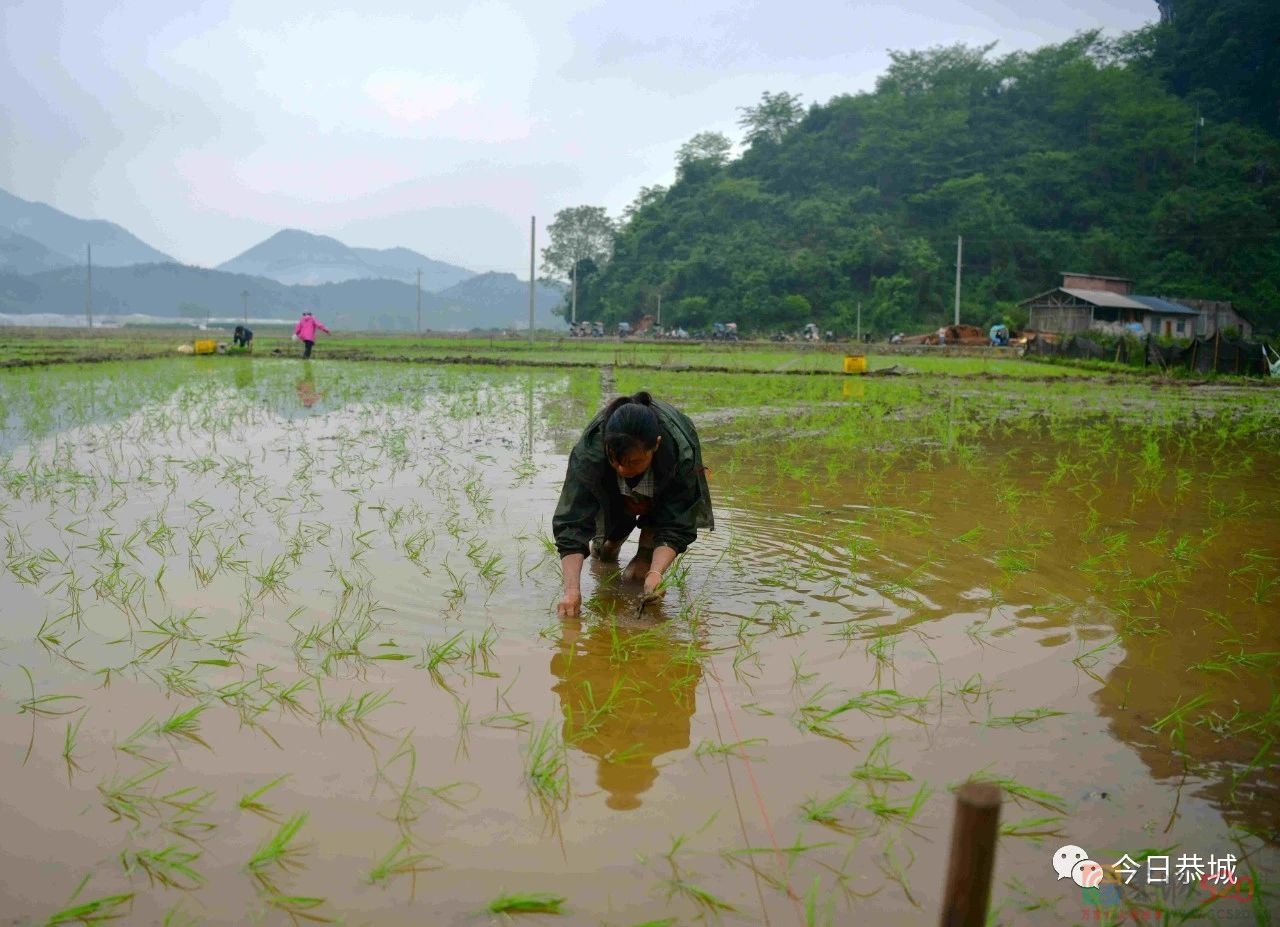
x,y
343,575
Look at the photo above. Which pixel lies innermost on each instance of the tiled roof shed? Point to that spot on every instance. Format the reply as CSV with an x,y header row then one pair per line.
x,y
1072,309
1165,307
1105,299
1094,301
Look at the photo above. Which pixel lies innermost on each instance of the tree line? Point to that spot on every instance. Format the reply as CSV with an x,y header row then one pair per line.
x,y
1144,157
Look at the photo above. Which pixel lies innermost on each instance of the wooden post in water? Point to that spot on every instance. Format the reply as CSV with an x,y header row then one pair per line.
x,y
973,855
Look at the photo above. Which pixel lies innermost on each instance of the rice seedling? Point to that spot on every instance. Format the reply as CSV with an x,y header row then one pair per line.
x,y
252,801
591,710
737,748
1088,659
442,654
272,578
828,811
546,771
183,725
1021,792
45,706
1234,663
1035,829
680,883
297,907
817,911
894,865
54,643
1175,721
480,652
125,798
401,860
456,594
354,712
29,567
527,903
877,766
898,812
170,867
280,853
69,743
1022,899
176,917
815,717
1022,719
94,911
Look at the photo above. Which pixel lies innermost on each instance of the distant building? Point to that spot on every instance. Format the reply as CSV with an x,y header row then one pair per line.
x,y
1091,301
1216,316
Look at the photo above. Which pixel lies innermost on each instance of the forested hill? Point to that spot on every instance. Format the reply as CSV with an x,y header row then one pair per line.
x,y
1077,157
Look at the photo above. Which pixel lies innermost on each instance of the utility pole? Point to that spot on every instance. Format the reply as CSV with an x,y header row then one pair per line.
x,y
959,248
419,302
533,234
1195,137
859,338
88,286
659,308
244,294
573,300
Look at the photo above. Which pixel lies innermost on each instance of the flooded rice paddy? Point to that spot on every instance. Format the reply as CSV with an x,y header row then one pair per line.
x,y
279,646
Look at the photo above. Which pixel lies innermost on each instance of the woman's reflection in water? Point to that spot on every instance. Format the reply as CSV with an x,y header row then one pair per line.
x,y
307,392
628,690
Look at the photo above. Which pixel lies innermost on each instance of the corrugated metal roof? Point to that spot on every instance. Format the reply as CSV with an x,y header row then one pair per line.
x,y
1105,298
1164,306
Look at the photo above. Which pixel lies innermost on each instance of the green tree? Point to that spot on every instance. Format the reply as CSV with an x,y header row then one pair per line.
x,y
578,234
1225,56
706,148
772,118
1072,156
647,197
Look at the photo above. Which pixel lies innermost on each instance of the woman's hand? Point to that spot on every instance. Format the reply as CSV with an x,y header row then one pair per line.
x,y
570,604
653,588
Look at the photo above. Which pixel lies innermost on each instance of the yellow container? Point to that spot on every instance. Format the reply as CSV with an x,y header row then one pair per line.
x,y
206,346
855,363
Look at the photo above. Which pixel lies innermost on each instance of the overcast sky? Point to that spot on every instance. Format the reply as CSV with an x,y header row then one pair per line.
x,y
203,128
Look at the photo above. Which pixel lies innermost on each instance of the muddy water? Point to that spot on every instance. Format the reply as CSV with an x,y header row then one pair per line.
x,y
342,570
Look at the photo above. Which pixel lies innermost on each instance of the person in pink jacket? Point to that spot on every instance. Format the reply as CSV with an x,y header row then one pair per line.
x,y
306,332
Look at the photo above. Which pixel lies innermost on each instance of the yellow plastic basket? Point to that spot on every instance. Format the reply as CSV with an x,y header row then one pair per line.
x,y
206,346
855,363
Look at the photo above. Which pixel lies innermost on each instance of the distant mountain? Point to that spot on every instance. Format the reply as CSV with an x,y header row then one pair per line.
x,y
293,256
503,292
179,291
436,275
22,255
67,236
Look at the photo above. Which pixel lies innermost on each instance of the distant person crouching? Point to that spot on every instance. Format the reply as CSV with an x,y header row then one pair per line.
x,y
242,337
